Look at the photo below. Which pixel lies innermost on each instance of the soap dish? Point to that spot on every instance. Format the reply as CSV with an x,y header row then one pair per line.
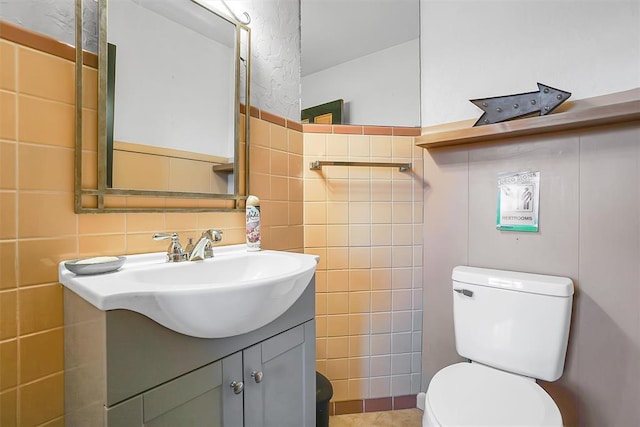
x,y
94,265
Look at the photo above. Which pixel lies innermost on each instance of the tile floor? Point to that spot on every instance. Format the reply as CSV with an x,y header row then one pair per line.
x,y
398,418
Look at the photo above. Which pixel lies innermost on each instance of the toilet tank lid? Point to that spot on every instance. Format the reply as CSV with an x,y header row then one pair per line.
x,y
514,281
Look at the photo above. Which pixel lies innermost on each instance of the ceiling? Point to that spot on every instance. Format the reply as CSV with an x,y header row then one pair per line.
x,y
337,31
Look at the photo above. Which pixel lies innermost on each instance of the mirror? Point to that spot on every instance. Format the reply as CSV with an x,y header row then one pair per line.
x,y
172,80
366,53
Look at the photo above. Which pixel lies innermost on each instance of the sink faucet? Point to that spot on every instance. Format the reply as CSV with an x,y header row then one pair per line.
x,y
203,248
175,252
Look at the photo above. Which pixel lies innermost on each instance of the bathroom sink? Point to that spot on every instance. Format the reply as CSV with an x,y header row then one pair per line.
x,y
233,293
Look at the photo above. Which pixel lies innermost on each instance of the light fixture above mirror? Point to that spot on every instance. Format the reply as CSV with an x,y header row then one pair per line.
x,y
172,89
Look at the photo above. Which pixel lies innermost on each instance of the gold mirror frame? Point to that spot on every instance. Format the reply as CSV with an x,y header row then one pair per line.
x,y
103,199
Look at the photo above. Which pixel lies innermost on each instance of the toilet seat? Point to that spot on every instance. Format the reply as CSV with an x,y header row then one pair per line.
x,y
474,394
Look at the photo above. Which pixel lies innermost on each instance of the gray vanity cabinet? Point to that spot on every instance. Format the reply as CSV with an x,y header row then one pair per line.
x,y
199,398
124,370
279,387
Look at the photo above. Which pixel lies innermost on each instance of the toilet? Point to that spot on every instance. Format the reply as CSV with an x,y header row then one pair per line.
x,y
513,328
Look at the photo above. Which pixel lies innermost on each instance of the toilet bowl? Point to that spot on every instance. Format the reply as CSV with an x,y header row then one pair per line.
x,y
513,328
471,394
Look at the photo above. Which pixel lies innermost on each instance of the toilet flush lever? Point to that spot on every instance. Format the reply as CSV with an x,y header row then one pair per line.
x,y
465,292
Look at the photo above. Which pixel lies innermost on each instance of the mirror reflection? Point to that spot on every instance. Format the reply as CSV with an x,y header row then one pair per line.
x,y
172,75
172,81
366,53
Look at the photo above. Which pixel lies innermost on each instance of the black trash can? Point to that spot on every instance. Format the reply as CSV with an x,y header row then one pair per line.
x,y
324,393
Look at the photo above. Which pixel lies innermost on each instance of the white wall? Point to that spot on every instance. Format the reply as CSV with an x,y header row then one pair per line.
x,y
55,18
194,90
275,45
381,88
476,49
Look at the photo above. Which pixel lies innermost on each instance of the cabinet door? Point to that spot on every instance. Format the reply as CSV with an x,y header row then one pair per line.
x,y
203,398
195,399
279,378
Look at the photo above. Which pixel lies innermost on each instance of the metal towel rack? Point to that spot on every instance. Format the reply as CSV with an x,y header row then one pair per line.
x,y
317,165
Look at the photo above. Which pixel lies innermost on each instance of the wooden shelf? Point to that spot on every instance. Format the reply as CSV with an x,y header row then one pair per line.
x,y
223,168
609,109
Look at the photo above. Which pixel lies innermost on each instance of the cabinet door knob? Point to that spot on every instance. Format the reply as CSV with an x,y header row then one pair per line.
x,y
237,386
257,376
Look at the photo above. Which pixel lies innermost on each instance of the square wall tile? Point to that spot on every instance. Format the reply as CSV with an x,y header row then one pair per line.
x,y
359,345
360,235
41,308
337,347
381,323
42,400
8,312
337,145
7,215
358,388
7,265
380,365
337,325
380,387
279,163
8,116
7,65
337,303
337,190
46,76
8,165
8,407
315,144
338,369
359,257
41,354
8,364
359,367
39,259
57,219
279,137
46,122
296,165
359,324
359,302
359,146
279,188
381,279
337,281
295,142
359,280
337,213
45,168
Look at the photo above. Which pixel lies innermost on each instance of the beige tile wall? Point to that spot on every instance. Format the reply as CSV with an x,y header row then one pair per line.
x,y
366,225
38,227
150,168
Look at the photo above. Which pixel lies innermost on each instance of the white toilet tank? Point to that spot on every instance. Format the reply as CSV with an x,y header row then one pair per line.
x,y
517,322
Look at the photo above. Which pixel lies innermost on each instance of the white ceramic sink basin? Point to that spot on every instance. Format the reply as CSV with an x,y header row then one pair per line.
x,y
233,293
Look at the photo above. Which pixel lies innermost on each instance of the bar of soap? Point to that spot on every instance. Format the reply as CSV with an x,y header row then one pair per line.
x,y
97,260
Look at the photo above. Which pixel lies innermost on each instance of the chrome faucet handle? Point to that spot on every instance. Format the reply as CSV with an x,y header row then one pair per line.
x,y
214,236
175,253
203,249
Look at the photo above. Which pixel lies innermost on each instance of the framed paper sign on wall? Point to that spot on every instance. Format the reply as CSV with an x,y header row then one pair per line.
x,y
518,199
329,113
